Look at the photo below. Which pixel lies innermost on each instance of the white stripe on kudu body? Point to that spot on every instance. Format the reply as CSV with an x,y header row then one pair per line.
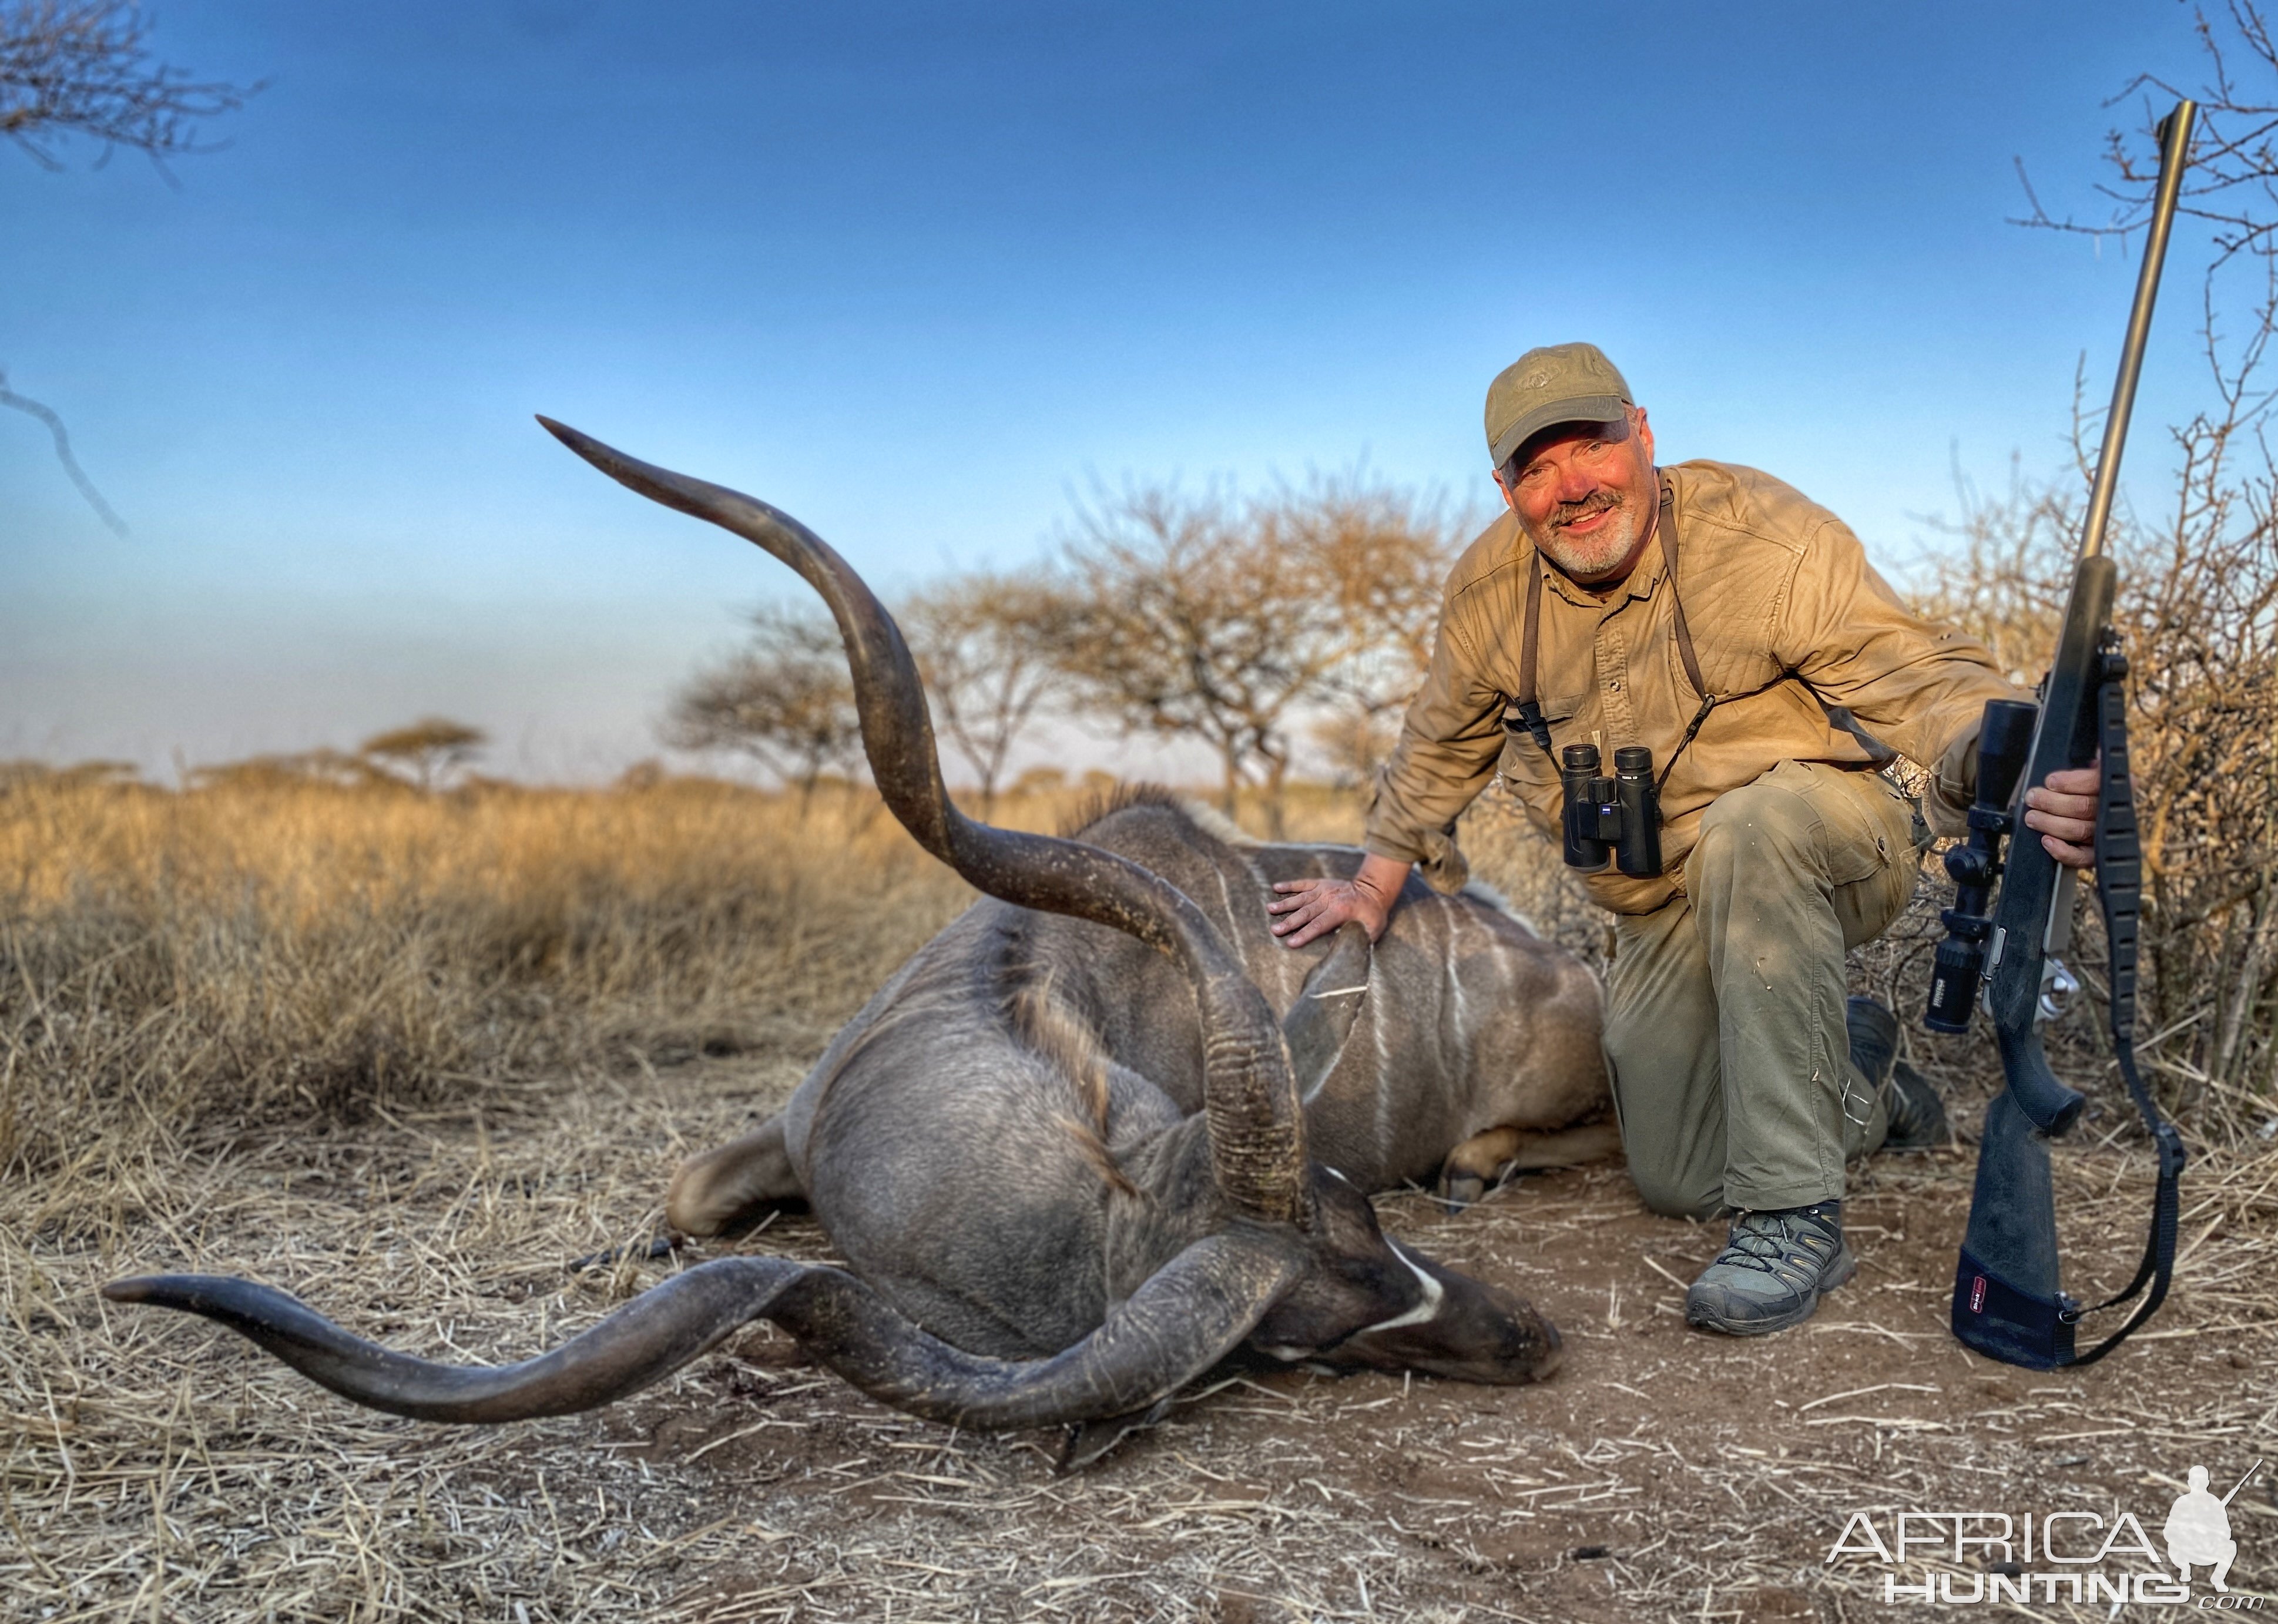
x,y
1376,1025
1453,974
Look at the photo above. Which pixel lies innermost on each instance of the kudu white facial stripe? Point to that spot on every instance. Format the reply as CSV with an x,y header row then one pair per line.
x,y
1426,1308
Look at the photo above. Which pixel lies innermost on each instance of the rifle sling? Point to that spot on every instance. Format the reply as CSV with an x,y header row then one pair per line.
x,y
2119,892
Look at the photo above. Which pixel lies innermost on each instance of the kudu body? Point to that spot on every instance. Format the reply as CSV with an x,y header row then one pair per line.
x,y
1460,1044
1038,1234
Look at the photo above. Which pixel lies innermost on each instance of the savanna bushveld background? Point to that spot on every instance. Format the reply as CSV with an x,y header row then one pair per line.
x,y
408,1039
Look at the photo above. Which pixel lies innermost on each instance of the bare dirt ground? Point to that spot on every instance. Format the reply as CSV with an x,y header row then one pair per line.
x,y
158,1468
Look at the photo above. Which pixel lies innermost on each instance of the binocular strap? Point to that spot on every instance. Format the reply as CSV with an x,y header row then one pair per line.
x,y
1528,710
2007,1303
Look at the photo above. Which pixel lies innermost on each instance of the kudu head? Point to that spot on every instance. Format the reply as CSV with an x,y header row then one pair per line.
x,y
1290,1259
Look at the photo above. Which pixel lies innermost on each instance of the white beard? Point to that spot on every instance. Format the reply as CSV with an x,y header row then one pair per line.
x,y
1583,556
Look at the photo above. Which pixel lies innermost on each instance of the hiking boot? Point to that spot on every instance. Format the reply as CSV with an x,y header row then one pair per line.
x,y
1874,1033
1773,1271
1918,1114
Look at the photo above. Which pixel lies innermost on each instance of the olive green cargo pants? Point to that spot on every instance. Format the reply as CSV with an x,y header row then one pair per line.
x,y
1724,1020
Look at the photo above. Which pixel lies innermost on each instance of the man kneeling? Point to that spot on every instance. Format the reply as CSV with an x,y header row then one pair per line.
x,y
1734,628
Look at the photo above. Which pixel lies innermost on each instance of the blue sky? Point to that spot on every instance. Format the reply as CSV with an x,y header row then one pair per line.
x,y
918,273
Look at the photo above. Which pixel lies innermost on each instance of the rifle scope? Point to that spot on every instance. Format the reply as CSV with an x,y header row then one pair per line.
x,y
2004,738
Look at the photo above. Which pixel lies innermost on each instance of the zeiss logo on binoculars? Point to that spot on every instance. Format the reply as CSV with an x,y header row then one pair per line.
x,y
1989,1558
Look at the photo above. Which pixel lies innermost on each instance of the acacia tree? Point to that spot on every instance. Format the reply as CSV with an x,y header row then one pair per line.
x,y
429,750
1204,616
1383,554
785,700
984,643
1181,625
1355,743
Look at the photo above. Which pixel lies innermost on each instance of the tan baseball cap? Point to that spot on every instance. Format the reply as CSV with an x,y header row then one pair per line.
x,y
1558,383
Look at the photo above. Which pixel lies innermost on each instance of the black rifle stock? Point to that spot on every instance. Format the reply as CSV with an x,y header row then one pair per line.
x,y
2008,1302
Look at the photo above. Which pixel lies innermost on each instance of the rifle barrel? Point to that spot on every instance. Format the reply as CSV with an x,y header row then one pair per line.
x,y
2174,151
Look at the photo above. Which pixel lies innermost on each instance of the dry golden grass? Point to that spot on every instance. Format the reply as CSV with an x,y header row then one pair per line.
x,y
175,967
182,964
407,1056
153,1467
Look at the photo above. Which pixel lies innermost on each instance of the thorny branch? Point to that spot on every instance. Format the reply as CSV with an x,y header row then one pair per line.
x,y
84,67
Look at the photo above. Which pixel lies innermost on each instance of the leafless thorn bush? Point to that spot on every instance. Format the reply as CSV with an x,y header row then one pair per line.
x,y
84,68
2197,610
1239,622
985,644
785,700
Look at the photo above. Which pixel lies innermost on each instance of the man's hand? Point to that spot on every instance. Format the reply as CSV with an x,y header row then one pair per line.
x,y
1313,907
2063,812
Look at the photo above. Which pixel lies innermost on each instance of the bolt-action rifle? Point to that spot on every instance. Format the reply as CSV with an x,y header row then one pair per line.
x,y
2007,1302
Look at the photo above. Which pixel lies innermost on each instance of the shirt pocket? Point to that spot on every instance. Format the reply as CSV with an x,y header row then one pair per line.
x,y
1527,768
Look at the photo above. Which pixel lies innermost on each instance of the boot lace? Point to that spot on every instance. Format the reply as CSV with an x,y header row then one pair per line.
x,y
1766,1241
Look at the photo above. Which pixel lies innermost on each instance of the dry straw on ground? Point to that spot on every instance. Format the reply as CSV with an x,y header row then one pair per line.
x,y
410,1056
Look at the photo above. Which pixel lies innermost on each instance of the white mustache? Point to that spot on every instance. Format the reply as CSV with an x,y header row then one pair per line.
x,y
1571,512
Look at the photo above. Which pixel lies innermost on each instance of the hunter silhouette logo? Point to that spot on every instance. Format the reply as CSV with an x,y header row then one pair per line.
x,y
2198,1528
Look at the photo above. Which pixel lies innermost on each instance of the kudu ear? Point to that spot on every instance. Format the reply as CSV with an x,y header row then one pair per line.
x,y
1321,1020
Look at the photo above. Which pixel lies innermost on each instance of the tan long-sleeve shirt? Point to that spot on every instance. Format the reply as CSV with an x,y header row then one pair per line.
x,y
1771,584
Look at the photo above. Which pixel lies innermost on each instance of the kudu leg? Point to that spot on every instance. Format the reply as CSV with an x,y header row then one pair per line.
x,y
1483,1157
720,1189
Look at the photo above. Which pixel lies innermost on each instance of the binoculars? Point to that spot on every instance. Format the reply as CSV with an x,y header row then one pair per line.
x,y
1618,817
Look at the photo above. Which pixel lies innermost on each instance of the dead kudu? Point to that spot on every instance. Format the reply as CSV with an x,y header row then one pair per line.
x,y
1459,1044
1038,1234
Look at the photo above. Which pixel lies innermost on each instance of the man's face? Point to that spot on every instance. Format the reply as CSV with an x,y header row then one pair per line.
x,y
1584,494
